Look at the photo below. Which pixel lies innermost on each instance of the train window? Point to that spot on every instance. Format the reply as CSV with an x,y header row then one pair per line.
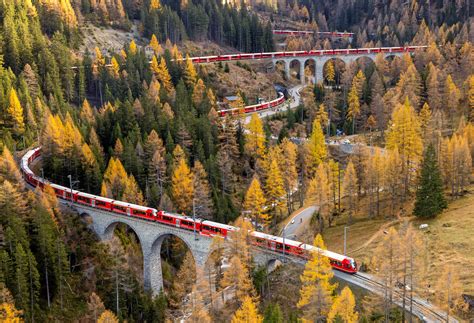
x,y
120,208
167,218
137,212
188,223
99,203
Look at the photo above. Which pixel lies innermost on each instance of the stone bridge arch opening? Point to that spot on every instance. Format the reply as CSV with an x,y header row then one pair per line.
x,y
296,69
339,69
173,267
280,68
310,71
125,244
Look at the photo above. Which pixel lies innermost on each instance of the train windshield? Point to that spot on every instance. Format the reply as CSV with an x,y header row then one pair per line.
x,y
353,264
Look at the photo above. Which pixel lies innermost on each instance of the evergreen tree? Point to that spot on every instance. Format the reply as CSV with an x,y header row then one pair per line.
x,y
430,199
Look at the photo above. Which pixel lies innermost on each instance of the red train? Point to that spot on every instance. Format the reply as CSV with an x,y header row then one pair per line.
x,y
255,107
349,51
202,227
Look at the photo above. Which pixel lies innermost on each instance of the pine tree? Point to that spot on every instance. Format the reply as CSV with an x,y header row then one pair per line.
x,y
317,151
87,114
255,202
316,291
255,137
247,313
425,119
198,92
182,189
8,168
430,200
343,308
451,97
318,192
15,113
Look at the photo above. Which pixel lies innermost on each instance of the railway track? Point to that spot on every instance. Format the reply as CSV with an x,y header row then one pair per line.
x,y
422,309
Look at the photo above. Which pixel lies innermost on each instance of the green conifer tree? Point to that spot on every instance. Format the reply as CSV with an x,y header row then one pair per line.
x,y
430,200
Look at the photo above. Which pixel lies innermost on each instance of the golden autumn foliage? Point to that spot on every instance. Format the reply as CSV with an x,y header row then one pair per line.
x,y
404,134
344,307
115,68
247,313
190,74
9,314
317,150
155,45
155,5
182,188
8,168
330,72
107,317
255,137
274,185
15,113
198,92
255,202
87,114
353,110
160,71
316,291
238,275
132,47
117,184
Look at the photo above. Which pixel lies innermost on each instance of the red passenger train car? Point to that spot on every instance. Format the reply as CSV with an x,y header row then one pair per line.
x,y
200,226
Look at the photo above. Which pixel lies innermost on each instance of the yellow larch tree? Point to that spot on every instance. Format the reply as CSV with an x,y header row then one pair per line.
x,y
155,45
87,114
9,314
115,68
255,137
358,82
132,47
182,189
155,5
118,185
330,72
343,308
316,291
8,168
107,317
425,119
288,169
198,92
351,189
164,77
247,313
316,146
190,74
15,113
353,110
323,118
449,290
404,133
238,275
274,189
451,97
470,96
318,194
238,244
393,180
255,202
238,105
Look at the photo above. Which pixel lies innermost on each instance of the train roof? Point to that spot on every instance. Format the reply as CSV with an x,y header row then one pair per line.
x,y
91,196
298,244
219,225
130,205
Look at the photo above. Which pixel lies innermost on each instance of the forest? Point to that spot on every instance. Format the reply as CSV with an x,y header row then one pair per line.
x,y
144,128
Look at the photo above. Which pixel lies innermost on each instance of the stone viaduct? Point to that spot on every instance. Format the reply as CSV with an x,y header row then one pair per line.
x,y
151,236
320,61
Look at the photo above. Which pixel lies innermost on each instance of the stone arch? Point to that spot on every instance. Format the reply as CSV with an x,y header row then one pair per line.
x,y
310,69
110,228
280,65
153,272
340,66
296,67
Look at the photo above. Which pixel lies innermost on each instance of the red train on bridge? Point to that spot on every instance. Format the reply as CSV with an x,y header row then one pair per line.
x,y
324,52
202,227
